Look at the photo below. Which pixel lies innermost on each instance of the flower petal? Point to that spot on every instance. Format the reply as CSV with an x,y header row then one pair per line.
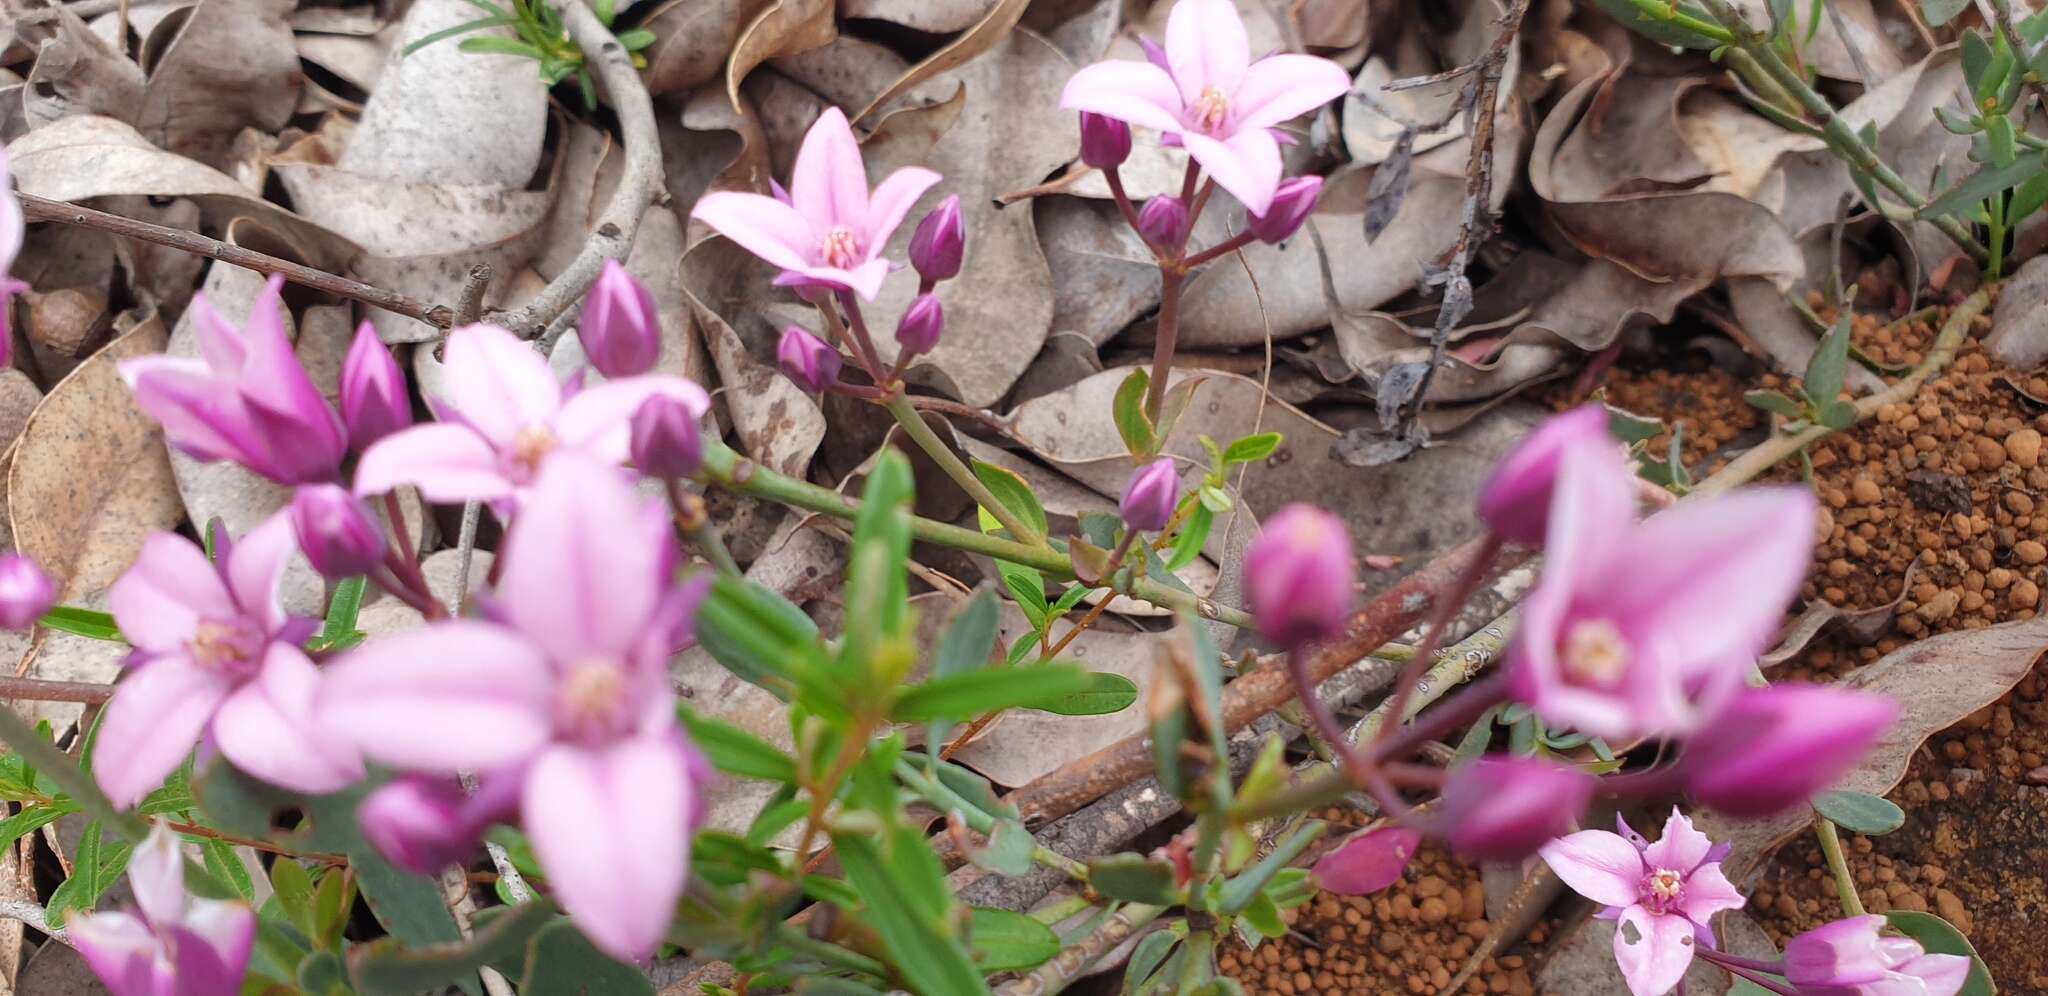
x,y
1707,892
202,414
156,873
273,380
447,461
1598,865
1138,93
611,827
585,563
829,184
1283,87
1247,165
161,598
499,384
121,950
598,420
1681,848
764,226
454,696
151,723
212,947
266,728
220,342
893,199
256,564
1653,951
1206,46
1936,975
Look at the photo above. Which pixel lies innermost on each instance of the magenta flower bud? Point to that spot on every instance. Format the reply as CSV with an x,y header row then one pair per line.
x,y
666,442
1771,749
1149,499
1292,204
1503,808
1105,141
620,326
1516,500
25,592
373,396
417,823
1365,863
336,531
1299,576
809,361
923,322
939,242
1851,958
1163,221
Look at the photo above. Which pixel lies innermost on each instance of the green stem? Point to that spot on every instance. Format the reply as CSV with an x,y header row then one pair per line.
x,y
1838,866
1995,210
920,433
1668,12
729,470
981,822
1197,962
44,757
1060,909
831,954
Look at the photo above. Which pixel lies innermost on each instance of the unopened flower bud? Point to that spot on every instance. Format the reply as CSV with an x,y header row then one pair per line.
x,y
1365,863
25,592
417,823
923,322
939,242
373,395
620,326
1105,141
336,531
1515,501
1298,575
1771,749
807,360
666,442
1163,221
1851,957
1149,499
1504,808
1292,204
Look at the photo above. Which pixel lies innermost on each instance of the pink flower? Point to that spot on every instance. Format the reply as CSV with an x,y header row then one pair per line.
x,y
248,400
424,824
12,232
1646,628
1503,808
173,944
1149,498
1772,748
830,231
1367,862
374,403
565,691
620,326
1209,96
25,592
216,656
1663,894
1516,500
504,416
1299,576
1850,958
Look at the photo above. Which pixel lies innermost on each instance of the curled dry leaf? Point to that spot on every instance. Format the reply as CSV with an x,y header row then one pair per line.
x,y
784,27
933,16
692,39
215,68
2019,325
1860,626
76,71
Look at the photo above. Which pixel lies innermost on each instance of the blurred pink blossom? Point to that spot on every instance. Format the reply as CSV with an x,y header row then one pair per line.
x,y
1851,958
173,944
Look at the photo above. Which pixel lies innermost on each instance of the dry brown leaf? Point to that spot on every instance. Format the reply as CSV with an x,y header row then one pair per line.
x,y
215,68
983,37
2019,325
692,39
933,16
783,28
76,71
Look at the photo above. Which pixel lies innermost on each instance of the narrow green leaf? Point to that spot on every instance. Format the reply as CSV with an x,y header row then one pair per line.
x,y
636,39
2027,198
387,967
463,28
1014,493
493,45
965,696
294,891
1134,878
1860,812
342,611
1005,941
931,960
1239,892
1825,370
1979,186
560,959
1128,409
1008,851
734,751
970,638
754,632
1772,401
1027,586
1105,692
219,858
1145,958
1940,12
1194,531
32,819
82,622
1839,416
1253,447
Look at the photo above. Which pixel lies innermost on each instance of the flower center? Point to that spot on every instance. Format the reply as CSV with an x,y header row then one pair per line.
x,y
1211,108
593,698
839,249
532,446
1663,889
232,648
1594,652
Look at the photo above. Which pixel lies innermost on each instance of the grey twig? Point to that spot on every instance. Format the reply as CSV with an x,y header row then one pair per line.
x,y
465,550
638,186
34,916
470,306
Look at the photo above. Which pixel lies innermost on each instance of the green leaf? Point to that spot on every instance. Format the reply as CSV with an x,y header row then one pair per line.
x,y
1667,30
1103,692
1128,409
219,858
1824,371
1940,12
1194,532
1744,987
1860,812
1999,134
1027,586
930,958
2033,29
636,39
1772,401
827,985
1938,936
734,751
387,967
970,638
560,959
1979,186
1014,493
1976,60
1839,416
82,622
878,597
1134,878
2027,198
1253,447
1177,399
1263,915
754,632
342,610
34,818
294,891
1003,941
1239,892
1147,956
463,28
965,696
493,45
79,891
1008,851
1214,499
1474,743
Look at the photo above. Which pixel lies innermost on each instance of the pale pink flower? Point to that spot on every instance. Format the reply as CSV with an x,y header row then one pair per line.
x,y
1366,862
504,414
247,399
1646,628
1663,894
1515,501
216,656
173,944
565,691
12,231
1851,958
1204,92
830,230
